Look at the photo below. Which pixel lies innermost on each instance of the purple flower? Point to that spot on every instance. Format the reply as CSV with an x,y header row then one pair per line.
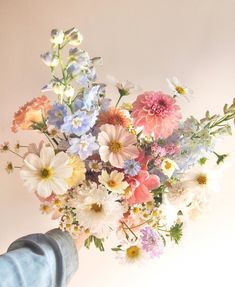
x,y
83,146
151,241
56,115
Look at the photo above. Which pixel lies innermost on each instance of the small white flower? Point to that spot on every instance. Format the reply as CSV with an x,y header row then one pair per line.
x,y
131,252
168,167
47,173
95,165
49,59
178,89
57,37
113,181
69,91
58,88
74,37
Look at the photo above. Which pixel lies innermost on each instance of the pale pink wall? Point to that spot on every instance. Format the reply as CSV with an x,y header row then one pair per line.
x,y
145,42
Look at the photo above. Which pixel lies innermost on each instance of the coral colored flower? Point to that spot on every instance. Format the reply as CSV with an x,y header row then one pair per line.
x,y
32,112
141,186
157,113
114,117
116,145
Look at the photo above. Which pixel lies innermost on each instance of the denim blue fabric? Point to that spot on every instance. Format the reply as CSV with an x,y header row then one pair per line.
x,y
39,260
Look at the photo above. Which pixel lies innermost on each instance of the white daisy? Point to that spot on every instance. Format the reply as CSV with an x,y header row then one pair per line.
x,y
97,210
113,181
131,252
95,165
178,89
46,173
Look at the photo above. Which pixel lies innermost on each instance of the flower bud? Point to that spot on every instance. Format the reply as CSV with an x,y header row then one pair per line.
x,y
57,37
49,59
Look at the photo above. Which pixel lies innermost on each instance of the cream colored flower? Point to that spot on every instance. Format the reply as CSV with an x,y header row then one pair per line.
x,y
79,171
168,167
113,181
47,173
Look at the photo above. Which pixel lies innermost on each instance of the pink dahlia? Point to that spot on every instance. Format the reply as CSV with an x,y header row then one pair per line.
x,y
157,113
141,186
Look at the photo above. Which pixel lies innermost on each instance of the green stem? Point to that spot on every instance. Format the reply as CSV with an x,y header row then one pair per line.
x,y
127,227
119,99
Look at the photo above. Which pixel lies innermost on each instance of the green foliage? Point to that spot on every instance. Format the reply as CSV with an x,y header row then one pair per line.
x,y
220,157
202,160
97,241
176,232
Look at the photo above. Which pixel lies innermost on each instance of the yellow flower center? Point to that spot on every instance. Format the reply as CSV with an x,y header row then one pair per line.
x,y
95,166
96,207
115,147
111,183
168,165
136,210
45,173
202,179
133,252
45,208
180,90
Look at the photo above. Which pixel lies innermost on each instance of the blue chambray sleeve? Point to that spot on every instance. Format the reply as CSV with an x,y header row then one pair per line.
x,y
39,260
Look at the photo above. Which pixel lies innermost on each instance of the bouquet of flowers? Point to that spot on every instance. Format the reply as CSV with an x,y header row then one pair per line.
x,y
137,169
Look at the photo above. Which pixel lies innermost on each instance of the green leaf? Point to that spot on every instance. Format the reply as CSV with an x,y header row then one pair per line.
x,y
176,232
202,160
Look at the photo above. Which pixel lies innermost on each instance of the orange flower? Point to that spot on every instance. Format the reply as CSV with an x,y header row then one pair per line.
x,y
32,112
114,117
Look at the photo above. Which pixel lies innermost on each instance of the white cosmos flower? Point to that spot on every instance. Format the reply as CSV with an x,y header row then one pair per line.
x,y
113,181
178,89
97,210
46,173
201,179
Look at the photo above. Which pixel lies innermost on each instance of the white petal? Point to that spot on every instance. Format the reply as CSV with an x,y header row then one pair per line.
x,y
44,188
32,161
46,155
60,159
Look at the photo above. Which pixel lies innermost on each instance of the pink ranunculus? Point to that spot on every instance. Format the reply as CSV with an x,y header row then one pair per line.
x,y
141,186
157,113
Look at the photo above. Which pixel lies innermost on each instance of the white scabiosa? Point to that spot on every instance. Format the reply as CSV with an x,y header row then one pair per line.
x,y
97,210
46,173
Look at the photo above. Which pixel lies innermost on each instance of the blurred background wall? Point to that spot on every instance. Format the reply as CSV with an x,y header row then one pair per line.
x,y
144,42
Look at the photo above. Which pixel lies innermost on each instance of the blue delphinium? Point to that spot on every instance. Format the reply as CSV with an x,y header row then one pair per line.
x,y
79,123
131,167
83,146
56,115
